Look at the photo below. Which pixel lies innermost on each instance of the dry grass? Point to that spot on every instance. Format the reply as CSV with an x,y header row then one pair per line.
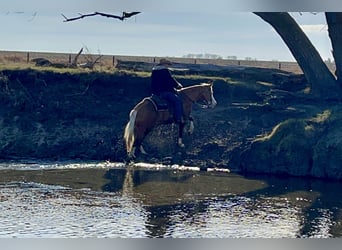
x,y
16,59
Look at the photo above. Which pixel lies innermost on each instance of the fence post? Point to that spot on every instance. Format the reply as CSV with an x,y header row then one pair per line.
x,y
69,59
279,66
113,61
28,57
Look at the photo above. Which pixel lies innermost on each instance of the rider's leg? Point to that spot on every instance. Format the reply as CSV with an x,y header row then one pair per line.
x,y
177,105
178,113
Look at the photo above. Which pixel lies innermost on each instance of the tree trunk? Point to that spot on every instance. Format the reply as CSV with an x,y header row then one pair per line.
x,y
322,81
334,21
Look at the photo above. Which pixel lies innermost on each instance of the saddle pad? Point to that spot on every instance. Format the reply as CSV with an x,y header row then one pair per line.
x,y
158,102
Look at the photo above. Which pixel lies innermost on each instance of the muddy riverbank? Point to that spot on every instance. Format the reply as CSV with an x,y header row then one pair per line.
x,y
61,116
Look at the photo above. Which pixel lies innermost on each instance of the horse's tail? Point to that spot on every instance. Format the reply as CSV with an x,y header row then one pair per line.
x,y
129,131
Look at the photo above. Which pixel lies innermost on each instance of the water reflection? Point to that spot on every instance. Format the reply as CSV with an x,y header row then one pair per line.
x,y
132,202
320,206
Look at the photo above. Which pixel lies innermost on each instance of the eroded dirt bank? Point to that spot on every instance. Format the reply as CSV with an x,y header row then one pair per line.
x,y
61,116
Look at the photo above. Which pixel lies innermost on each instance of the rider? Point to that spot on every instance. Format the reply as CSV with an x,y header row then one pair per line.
x,y
164,85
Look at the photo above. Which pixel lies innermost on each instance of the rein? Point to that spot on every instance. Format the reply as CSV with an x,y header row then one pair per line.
x,y
195,102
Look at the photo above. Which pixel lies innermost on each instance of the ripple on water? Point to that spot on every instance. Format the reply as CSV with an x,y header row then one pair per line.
x,y
61,212
240,217
194,207
31,210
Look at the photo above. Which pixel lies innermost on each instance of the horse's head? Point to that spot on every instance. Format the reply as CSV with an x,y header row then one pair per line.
x,y
201,93
207,95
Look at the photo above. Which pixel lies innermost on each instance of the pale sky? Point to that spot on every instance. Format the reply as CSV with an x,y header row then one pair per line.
x,y
165,29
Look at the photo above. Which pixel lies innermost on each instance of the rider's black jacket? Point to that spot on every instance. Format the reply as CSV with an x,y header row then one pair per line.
x,y
162,81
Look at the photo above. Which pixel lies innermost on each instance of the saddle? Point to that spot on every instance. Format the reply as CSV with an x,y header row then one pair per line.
x,y
159,103
163,107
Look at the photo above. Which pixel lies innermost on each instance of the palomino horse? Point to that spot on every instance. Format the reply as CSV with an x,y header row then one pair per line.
x,y
144,116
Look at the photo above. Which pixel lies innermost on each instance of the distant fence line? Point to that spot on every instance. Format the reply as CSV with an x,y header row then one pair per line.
x,y
111,60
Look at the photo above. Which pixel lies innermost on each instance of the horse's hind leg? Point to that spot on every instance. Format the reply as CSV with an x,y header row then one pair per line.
x,y
141,134
137,145
141,149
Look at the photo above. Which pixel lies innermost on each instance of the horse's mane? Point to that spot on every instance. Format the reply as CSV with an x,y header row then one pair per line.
x,y
195,86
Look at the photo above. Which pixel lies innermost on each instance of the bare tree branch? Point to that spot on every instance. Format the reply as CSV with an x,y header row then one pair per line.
x,y
122,17
33,16
74,63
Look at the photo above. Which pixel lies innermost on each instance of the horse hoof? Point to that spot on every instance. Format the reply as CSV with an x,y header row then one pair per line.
x,y
131,155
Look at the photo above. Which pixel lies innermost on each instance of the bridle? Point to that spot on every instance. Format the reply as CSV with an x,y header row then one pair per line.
x,y
202,97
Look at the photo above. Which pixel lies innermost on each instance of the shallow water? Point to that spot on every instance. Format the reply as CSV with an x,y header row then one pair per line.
x,y
113,200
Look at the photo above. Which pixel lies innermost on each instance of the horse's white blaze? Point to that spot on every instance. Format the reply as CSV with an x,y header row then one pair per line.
x,y
129,133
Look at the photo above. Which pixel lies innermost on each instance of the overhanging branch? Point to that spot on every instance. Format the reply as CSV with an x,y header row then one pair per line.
x,y
124,16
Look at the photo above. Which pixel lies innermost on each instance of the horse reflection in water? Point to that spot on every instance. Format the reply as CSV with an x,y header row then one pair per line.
x,y
145,116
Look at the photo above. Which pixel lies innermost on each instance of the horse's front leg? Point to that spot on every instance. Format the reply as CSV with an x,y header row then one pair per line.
x,y
191,125
180,135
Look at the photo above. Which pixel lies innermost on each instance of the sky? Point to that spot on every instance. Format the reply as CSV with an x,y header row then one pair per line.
x,y
162,29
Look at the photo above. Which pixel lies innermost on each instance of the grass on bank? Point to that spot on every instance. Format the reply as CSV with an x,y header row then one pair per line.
x,y
100,69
